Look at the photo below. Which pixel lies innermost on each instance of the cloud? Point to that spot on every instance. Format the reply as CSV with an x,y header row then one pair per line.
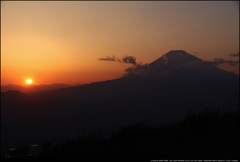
x,y
136,69
125,59
218,61
231,62
108,58
129,59
234,54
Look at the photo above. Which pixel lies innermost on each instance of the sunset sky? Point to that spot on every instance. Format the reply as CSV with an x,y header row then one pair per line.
x,y
61,42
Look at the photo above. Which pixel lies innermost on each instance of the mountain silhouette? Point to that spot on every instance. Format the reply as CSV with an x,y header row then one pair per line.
x,y
31,88
179,61
177,83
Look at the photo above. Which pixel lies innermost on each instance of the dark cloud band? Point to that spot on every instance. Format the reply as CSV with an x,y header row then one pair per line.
x,y
234,54
125,59
219,61
137,68
108,58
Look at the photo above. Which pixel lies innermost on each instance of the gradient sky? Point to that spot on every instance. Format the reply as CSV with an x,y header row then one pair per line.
x,y
61,42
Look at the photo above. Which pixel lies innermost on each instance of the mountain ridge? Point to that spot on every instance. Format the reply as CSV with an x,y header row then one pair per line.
x,y
35,87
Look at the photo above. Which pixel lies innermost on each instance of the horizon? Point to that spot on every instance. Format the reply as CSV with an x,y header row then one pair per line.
x,y
40,84
65,47
61,83
128,59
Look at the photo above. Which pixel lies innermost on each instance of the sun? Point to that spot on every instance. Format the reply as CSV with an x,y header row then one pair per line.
x,y
29,81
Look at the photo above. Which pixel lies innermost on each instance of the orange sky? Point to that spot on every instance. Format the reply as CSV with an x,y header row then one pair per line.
x,y
61,42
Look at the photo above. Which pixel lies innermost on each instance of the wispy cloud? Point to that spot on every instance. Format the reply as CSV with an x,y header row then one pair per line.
x,y
108,58
137,68
125,59
234,54
130,60
219,61
231,62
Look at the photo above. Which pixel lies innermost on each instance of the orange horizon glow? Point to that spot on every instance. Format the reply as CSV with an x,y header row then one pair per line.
x,y
63,43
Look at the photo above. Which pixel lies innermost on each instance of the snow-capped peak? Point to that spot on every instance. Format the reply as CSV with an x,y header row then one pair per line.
x,y
178,60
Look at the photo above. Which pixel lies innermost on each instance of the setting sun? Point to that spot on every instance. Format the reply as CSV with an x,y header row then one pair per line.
x,y
29,81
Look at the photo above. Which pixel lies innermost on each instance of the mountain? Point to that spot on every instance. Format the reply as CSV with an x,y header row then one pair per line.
x,y
176,61
31,88
176,84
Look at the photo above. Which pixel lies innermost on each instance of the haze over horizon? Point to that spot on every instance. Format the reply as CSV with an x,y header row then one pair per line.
x,y
62,42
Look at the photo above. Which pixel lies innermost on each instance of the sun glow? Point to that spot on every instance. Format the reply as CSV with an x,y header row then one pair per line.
x,y
29,81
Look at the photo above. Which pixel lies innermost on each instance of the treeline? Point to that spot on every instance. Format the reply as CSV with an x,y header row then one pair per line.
x,y
205,135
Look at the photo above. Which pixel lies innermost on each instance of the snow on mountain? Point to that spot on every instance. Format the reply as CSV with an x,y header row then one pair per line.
x,y
176,61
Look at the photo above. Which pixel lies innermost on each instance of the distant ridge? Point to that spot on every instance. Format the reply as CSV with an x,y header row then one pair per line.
x,y
31,88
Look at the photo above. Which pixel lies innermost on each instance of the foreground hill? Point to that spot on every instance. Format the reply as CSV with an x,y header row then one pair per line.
x,y
172,86
207,135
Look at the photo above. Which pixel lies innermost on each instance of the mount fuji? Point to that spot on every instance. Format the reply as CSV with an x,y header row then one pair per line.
x,y
177,61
